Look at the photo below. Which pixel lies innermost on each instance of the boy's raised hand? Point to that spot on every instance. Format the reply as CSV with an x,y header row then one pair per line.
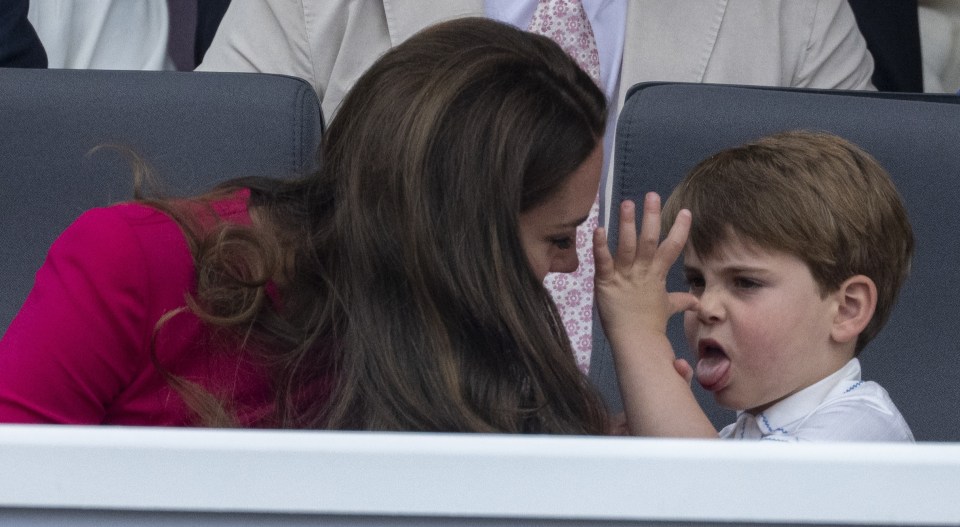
x,y
631,292
631,286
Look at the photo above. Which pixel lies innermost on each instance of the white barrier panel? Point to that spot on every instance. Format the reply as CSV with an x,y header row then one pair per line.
x,y
95,473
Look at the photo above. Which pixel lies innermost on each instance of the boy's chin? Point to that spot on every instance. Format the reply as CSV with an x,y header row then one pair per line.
x,y
729,401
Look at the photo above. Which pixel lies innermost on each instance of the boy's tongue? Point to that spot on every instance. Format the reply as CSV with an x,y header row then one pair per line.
x,y
711,368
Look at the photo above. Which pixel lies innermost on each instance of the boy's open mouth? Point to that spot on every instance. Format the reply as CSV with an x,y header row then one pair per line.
x,y
713,365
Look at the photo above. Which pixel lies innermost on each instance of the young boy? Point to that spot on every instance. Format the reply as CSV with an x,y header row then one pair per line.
x,y
798,245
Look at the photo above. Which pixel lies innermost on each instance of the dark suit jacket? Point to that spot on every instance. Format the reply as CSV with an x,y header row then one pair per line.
x,y
20,46
892,31
209,15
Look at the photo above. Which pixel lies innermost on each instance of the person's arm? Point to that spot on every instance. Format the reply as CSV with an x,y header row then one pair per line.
x,y
82,333
263,36
836,53
634,307
329,43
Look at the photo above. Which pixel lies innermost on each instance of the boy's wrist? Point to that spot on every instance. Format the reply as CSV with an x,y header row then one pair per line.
x,y
640,342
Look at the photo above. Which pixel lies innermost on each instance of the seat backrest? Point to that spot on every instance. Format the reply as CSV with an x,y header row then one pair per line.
x,y
193,129
665,129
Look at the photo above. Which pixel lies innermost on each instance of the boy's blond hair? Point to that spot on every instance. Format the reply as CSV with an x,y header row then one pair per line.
x,y
815,196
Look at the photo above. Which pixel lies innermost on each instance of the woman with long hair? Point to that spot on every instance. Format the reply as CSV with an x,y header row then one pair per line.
x,y
397,288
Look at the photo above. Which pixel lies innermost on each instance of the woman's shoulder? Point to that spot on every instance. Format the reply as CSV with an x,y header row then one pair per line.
x,y
118,230
128,249
134,225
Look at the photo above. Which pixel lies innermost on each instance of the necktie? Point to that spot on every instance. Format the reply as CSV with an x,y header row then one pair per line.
x,y
566,23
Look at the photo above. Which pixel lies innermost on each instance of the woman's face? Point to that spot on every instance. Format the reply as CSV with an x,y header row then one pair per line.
x,y
548,231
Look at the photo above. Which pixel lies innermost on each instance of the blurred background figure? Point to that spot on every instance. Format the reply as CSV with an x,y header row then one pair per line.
x,y
940,40
209,14
103,34
19,45
892,32
192,26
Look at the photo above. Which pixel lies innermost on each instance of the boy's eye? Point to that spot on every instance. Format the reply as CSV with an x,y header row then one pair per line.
x,y
563,242
696,282
746,283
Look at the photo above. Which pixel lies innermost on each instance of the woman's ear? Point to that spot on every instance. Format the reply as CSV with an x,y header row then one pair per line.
x,y
856,303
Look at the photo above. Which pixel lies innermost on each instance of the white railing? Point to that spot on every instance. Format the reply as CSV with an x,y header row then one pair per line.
x,y
510,479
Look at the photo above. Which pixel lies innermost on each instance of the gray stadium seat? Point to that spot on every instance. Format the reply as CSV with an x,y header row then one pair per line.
x,y
193,129
665,129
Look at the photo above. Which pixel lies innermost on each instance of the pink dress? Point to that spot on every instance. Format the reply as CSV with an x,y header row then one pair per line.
x,y
79,350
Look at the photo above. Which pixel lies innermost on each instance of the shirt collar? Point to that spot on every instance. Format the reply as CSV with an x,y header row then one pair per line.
x,y
781,415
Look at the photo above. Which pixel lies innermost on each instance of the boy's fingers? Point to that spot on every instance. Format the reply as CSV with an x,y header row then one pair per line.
x,y
618,425
681,301
650,227
676,239
627,238
603,261
684,369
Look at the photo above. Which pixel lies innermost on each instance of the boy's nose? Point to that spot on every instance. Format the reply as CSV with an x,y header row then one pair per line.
x,y
710,308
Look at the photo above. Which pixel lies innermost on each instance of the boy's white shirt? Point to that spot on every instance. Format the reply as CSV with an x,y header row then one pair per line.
x,y
841,407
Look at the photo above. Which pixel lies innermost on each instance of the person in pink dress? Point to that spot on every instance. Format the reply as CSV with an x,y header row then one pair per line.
x,y
398,288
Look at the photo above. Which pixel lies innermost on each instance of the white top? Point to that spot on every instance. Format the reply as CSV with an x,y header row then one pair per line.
x,y
103,34
840,407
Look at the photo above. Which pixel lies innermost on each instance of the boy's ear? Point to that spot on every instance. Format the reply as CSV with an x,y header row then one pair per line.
x,y
856,303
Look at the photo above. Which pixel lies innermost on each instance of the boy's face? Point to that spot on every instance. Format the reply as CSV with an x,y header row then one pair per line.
x,y
762,330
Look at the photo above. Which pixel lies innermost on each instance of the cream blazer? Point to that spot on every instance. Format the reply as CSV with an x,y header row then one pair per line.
x,y
330,43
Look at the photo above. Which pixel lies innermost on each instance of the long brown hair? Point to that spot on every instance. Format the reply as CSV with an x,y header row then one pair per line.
x,y
400,267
